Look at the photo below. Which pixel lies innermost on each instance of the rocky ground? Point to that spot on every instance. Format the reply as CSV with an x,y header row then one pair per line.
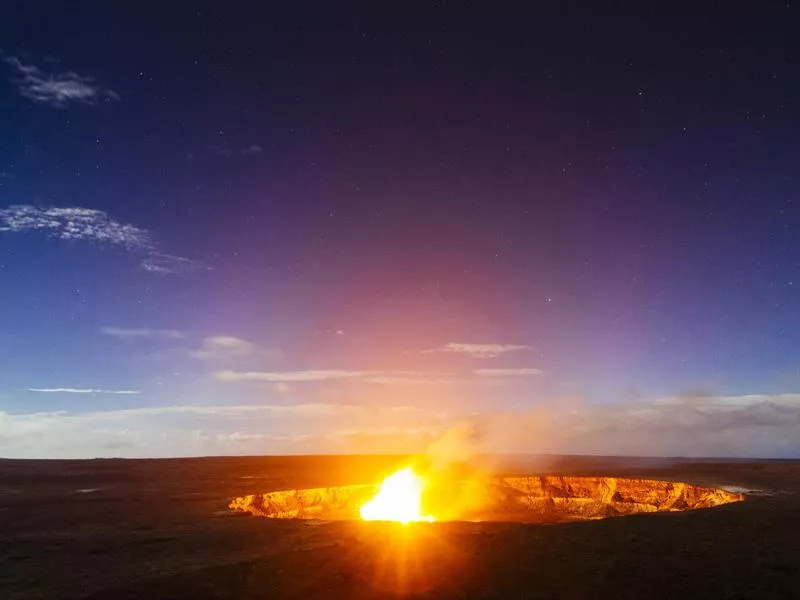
x,y
109,529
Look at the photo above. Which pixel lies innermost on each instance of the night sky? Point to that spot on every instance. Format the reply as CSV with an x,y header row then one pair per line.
x,y
333,227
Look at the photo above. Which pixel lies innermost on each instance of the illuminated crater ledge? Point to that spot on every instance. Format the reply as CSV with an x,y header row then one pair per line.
x,y
523,499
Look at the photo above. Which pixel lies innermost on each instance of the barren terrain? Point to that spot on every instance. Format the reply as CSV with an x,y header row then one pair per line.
x,y
116,529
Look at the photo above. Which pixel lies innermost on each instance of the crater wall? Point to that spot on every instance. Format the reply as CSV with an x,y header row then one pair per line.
x,y
531,499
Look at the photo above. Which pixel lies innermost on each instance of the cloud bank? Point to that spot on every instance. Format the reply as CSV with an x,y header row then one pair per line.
x,y
185,430
721,426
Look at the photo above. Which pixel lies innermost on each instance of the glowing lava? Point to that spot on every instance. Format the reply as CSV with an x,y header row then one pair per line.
x,y
399,498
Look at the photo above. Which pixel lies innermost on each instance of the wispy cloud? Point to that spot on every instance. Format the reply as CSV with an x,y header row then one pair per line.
x,y
411,379
82,391
282,388
158,262
228,151
243,410
224,347
128,334
524,372
57,89
477,350
288,376
91,225
386,378
81,224
415,377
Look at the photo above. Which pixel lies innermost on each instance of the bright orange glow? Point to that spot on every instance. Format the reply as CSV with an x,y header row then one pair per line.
x,y
398,499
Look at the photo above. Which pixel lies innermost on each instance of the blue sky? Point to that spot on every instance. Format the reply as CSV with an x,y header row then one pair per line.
x,y
321,231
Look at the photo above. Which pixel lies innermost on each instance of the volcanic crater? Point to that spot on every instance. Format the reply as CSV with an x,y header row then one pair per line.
x,y
541,498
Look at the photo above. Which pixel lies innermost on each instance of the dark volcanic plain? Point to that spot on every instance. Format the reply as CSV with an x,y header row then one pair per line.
x,y
156,529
